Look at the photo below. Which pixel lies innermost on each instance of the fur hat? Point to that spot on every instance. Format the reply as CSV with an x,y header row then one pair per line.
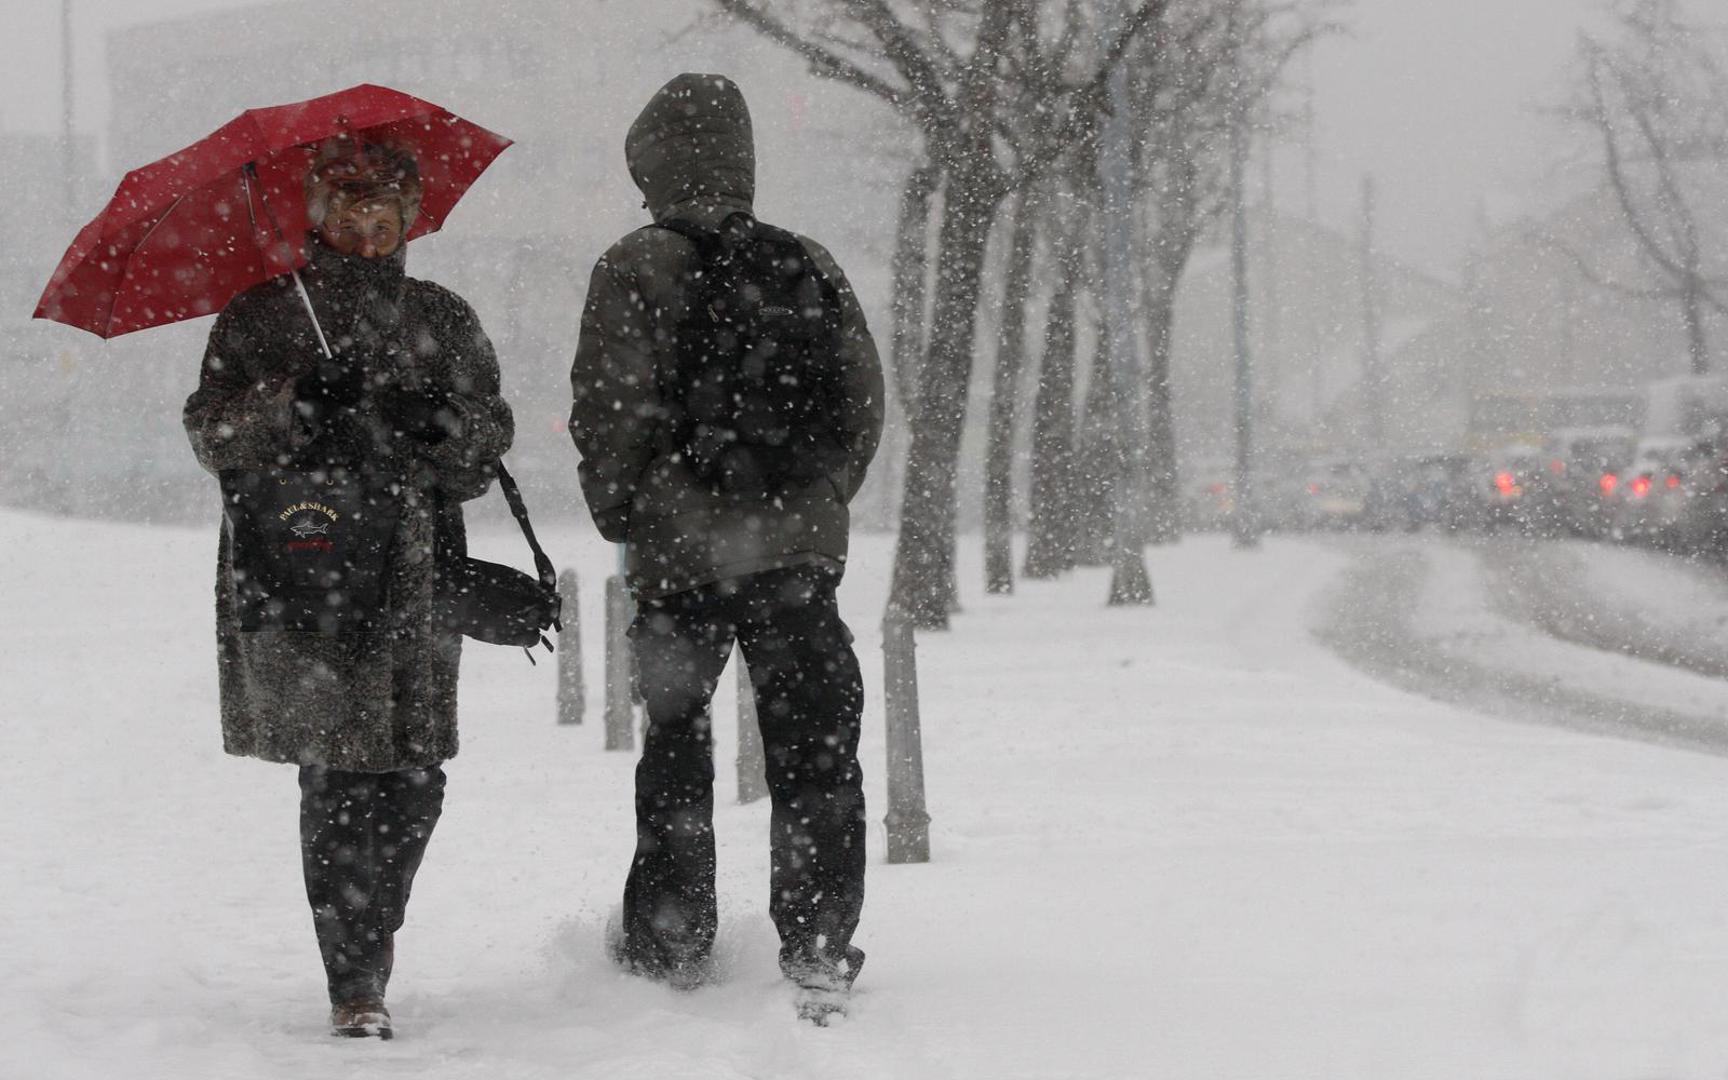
x,y
347,171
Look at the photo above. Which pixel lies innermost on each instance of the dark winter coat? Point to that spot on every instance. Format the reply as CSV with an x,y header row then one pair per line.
x,y
379,699
691,152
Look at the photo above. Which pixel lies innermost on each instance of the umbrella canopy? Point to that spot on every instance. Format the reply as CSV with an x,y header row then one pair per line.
x,y
184,235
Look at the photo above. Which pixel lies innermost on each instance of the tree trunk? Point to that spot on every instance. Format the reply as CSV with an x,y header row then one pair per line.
x,y
911,272
1005,400
1096,465
924,554
1692,301
1049,545
1166,521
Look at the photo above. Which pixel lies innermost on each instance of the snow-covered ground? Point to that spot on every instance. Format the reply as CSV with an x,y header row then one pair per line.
x,y
1178,842
1456,606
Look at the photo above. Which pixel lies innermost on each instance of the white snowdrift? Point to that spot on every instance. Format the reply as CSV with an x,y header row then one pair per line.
x,y
1177,842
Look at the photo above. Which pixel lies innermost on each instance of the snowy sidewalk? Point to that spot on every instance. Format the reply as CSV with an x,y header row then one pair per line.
x,y
1177,842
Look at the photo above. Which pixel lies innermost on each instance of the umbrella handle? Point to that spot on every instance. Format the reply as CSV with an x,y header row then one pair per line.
x,y
248,173
313,315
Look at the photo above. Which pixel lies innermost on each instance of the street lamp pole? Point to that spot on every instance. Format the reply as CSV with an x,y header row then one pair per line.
x,y
68,173
1130,581
1244,523
1373,364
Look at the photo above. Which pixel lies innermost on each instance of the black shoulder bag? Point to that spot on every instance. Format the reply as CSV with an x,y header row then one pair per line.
x,y
499,604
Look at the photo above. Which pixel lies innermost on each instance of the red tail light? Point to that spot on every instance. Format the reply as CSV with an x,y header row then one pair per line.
x,y
1608,483
1641,487
1557,467
1673,481
1505,483
1313,489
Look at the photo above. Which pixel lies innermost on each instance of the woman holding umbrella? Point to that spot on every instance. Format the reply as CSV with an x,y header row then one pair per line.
x,y
394,386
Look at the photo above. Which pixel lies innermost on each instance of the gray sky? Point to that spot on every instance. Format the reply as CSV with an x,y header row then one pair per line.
x,y
1440,100
1444,103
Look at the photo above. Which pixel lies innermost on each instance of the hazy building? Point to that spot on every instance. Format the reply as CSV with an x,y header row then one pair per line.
x,y
1308,340
40,213
564,80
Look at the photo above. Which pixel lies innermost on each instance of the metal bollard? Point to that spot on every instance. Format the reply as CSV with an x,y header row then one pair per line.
x,y
752,780
572,688
620,710
908,820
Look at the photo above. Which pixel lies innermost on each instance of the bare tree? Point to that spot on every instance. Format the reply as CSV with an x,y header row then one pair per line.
x,y
1655,98
1217,65
1005,394
1050,547
1042,141
910,306
946,66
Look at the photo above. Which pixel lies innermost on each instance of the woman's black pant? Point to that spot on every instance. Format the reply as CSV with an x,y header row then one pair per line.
x,y
809,698
362,836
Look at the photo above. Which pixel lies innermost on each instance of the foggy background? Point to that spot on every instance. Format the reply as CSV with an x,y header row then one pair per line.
x,y
1450,108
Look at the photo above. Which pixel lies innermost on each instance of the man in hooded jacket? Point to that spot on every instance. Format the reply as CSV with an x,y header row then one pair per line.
x,y
710,568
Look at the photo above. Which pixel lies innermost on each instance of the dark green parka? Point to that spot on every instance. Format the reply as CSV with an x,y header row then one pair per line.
x,y
691,152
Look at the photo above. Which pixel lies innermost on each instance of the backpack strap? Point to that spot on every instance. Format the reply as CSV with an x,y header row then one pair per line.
x,y
706,238
513,495
689,230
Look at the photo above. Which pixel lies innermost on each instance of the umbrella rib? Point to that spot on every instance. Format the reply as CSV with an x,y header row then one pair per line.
x,y
126,275
246,186
166,214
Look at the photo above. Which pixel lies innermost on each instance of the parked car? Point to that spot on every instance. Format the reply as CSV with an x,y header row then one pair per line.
x,y
1650,500
1580,478
1333,495
1503,478
1208,495
1705,530
1443,498
1393,484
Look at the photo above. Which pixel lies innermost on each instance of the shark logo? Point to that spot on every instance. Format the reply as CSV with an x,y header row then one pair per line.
x,y
307,526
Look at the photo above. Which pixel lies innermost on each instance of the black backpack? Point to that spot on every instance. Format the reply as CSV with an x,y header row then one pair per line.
x,y
754,392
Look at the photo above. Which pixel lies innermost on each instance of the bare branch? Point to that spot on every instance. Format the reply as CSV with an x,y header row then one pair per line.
x,y
1602,116
1549,242
921,73
824,63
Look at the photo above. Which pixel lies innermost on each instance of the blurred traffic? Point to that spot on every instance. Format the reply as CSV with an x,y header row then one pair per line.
x,y
1647,468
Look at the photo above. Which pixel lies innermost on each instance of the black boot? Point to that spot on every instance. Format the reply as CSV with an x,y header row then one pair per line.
x,y
362,837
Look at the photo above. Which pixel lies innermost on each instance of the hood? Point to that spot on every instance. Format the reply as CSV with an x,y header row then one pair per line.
x,y
691,150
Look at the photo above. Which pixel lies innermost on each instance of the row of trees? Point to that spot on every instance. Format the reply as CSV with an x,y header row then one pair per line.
x,y
1058,127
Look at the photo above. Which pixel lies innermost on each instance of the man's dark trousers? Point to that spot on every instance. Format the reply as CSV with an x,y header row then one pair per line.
x,y
809,699
362,836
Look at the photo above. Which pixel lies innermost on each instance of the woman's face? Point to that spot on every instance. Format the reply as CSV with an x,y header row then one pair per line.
x,y
371,228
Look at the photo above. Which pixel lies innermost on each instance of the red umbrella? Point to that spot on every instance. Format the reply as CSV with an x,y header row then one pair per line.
x,y
184,235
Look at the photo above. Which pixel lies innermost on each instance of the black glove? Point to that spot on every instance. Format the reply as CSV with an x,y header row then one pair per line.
x,y
330,385
614,524
426,415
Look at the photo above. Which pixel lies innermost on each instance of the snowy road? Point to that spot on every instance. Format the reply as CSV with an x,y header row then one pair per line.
x,y
1186,841
1639,603
1606,640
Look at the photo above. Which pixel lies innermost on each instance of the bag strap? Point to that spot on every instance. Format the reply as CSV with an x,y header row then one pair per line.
x,y
737,223
513,495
